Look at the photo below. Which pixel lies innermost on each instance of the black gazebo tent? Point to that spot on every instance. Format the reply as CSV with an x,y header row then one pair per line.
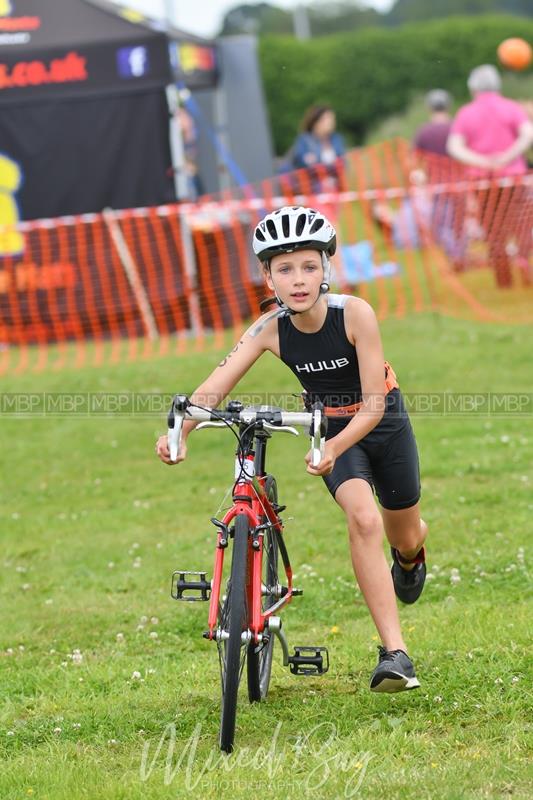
x,y
83,110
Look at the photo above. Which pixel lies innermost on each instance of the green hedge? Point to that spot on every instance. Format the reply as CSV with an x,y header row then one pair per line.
x,y
370,74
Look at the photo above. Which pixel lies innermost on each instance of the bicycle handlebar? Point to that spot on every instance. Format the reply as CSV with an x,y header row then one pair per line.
x,y
236,413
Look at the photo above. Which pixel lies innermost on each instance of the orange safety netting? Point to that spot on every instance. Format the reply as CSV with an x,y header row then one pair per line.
x,y
415,235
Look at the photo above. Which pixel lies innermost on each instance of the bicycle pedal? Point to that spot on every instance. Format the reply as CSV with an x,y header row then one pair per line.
x,y
309,661
181,584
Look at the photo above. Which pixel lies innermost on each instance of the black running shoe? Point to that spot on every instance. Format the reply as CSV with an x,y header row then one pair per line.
x,y
394,672
408,583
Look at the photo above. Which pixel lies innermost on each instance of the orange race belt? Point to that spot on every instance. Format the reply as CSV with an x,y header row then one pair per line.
x,y
391,383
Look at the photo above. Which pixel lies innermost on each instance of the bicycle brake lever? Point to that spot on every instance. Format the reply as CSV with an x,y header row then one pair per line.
x,y
210,425
318,441
284,428
175,424
174,435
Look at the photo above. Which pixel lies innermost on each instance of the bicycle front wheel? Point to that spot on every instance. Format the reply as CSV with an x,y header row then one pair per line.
x,y
259,659
232,624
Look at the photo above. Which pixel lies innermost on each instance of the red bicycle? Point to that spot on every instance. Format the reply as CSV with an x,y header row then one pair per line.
x,y
244,616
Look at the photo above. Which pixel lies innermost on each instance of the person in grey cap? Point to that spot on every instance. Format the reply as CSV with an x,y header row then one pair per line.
x,y
432,136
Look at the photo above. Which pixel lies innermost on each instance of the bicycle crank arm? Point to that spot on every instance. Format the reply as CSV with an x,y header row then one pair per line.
x,y
274,625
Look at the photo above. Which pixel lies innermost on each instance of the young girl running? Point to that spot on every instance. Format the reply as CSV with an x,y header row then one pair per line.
x,y
333,346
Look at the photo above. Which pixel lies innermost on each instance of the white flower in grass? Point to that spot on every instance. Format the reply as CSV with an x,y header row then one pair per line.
x,y
505,439
137,563
57,730
154,621
498,681
135,546
159,545
111,564
136,675
48,601
21,648
455,579
515,679
430,576
154,635
112,742
143,620
120,637
151,672
437,699
77,657
136,503
25,587
76,725
10,733
15,515
21,569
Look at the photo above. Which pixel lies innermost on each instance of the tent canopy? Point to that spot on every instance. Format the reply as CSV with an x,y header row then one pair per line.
x,y
194,59
71,47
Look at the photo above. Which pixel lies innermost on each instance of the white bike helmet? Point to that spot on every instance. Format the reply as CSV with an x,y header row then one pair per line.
x,y
293,228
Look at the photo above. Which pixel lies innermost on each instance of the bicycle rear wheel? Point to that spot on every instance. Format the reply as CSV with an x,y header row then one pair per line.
x,y
232,620
259,657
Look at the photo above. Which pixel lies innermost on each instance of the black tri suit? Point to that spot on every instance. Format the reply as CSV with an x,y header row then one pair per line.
x,y
325,363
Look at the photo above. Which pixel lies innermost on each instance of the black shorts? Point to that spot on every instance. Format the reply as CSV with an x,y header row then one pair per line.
x,y
387,457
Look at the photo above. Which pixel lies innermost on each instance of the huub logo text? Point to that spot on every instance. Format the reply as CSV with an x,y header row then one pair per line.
x,y
334,363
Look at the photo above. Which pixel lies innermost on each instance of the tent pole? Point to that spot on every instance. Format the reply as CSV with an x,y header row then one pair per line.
x,y
191,271
177,151
132,274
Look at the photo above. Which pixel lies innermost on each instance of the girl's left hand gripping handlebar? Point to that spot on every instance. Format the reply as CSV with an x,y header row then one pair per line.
x,y
176,415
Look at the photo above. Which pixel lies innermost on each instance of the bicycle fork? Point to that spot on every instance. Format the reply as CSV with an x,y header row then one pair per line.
x,y
193,586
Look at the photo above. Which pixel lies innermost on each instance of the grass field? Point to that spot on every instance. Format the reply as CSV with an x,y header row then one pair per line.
x,y
93,526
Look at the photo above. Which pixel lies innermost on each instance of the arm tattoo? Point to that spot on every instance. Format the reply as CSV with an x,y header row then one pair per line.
x,y
225,360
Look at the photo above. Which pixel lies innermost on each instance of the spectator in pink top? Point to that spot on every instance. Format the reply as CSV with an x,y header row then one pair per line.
x,y
490,135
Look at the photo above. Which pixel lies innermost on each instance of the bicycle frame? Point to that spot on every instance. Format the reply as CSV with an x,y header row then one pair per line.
x,y
250,499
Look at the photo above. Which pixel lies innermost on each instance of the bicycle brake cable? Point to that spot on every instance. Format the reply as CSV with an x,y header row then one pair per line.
x,y
240,449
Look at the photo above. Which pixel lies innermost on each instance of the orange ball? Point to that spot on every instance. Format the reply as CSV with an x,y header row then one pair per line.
x,y
515,53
